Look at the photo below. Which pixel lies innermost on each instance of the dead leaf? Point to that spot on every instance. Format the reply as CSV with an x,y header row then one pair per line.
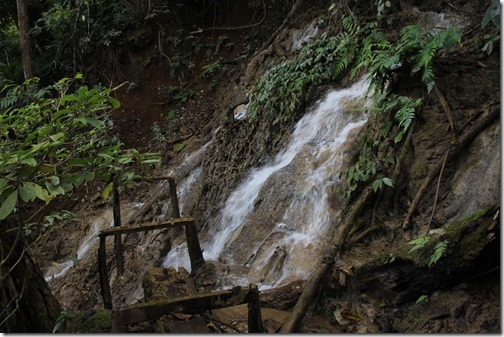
x,y
181,316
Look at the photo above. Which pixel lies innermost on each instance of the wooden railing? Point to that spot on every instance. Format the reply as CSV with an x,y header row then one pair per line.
x,y
197,303
193,245
192,304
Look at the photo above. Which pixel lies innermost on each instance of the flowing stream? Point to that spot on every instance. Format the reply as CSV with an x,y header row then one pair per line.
x,y
275,222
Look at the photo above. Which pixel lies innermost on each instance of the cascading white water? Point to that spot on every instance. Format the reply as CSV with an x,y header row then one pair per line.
x,y
287,245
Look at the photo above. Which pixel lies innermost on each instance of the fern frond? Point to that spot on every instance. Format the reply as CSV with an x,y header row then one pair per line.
x,y
406,113
411,37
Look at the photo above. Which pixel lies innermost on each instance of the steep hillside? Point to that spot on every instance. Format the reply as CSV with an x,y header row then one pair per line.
x,y
419,256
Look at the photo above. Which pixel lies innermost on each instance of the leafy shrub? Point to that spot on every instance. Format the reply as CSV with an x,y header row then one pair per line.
x,y
52,141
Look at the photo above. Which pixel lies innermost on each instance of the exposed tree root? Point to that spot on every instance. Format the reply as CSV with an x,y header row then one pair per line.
x,y
492,112
437,191
446,108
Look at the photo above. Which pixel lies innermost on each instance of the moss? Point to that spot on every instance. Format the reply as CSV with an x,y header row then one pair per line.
x,y
466,239
469,236
99,322
179,146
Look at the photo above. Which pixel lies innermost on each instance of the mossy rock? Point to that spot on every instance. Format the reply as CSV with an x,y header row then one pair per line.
x,y
99,322
466,239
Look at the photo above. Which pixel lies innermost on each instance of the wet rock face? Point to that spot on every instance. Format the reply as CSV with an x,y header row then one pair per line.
x,y
476,183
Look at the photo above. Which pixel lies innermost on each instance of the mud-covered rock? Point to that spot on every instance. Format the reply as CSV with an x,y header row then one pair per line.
x,y
282,298
165,283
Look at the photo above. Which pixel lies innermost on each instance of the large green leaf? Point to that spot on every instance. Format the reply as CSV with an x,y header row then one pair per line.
x,y
41,193
8,205
53,189
27,192
3,183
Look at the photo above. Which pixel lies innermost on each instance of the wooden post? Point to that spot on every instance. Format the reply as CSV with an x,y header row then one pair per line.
x,y
174,198
102,268
193,247
254,311
117,326
117,223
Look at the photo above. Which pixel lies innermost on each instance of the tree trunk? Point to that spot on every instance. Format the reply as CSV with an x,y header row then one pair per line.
x,y
24,39
27,304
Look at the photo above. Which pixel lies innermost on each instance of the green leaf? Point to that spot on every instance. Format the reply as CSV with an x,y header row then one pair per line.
x,y
55,180
95,122
80,162
8,205
29,161
377,184
27,192
399,137
90,176
388,181
115,103
422,299
107,190
53,189
38,146
152,160
418,243
57,136
439,250
77,178
3,183
125,160
41,193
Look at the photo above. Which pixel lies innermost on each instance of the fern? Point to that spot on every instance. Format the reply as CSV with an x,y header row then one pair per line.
x,y
411,37
439,250
406,113
281,91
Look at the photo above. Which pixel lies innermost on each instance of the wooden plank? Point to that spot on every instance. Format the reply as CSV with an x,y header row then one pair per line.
x,y
188,304
145,227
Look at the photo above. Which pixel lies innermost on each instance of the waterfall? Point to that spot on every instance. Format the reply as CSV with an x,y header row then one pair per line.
x,y
275,221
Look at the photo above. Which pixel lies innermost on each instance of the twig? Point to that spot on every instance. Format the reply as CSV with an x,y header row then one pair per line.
x,y
229,325
160,45
446,108
437,190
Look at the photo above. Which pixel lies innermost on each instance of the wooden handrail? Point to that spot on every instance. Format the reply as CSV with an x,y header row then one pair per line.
x,y
148,226
192,304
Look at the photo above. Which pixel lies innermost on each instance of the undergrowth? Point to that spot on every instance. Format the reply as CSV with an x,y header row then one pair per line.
x,y
283,90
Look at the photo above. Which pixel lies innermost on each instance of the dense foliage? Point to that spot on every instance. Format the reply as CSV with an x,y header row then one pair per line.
x,y
53,141
283,90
